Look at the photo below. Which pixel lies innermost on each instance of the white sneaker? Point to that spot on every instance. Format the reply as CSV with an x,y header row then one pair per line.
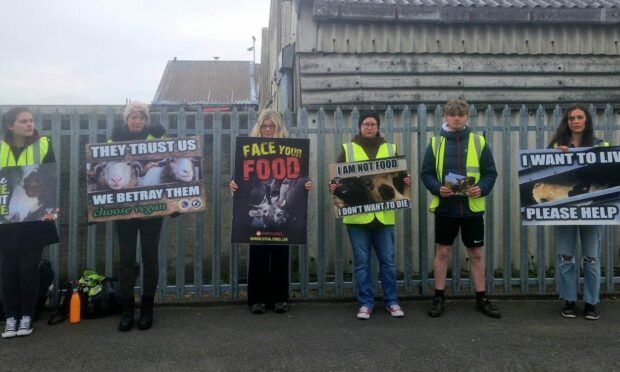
x,y
25,326
395,311
10,329
364,313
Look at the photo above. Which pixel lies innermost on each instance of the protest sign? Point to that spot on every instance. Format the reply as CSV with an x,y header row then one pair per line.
x,y
578,187
144,178
28,193
370,186
271,203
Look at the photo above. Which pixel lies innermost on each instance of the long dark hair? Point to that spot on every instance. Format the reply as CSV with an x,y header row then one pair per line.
x,y
562,135
9,118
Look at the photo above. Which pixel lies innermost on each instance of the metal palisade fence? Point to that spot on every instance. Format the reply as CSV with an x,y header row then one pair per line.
x,y
198,263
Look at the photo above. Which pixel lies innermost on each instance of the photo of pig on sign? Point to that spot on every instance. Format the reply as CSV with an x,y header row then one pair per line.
x,y
370,186
28,193
144,178
579,187
270,206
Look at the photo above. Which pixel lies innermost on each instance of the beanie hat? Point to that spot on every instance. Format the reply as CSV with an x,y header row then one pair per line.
x,y
136,106
368,114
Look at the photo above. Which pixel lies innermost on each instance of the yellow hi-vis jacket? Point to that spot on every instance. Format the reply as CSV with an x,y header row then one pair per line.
x,y
472,164
32,154
355,152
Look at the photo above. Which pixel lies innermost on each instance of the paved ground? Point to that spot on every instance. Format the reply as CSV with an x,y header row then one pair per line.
x,y
320,336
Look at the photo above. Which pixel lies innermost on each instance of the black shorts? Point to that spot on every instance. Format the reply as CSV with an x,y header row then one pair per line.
x,y
472,230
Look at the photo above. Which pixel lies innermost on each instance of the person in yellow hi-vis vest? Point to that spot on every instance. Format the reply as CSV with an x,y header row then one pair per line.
x,y
21,244
371,229
459,171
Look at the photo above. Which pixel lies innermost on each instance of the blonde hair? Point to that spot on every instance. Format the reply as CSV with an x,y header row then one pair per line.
x,y
274,116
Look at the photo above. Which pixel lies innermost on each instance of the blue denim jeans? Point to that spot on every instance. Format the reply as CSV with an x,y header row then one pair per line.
x,y
566,277
363,239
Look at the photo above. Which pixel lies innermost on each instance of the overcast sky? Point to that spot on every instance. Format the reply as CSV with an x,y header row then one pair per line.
x,y
104,51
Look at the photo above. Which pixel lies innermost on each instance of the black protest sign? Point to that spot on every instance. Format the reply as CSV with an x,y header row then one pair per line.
x,y
144,178
370,186
578,187
28,193
270,206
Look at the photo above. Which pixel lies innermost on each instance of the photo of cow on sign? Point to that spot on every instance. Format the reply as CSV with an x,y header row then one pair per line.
x,y
578,187
370,186
271,202
144,178
28,193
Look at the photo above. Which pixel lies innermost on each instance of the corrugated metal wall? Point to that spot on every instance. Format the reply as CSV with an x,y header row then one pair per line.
x,y
198,263
401,79
531,39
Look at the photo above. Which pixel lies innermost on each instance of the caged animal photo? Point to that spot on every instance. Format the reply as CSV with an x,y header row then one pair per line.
x,y
33,192
352,191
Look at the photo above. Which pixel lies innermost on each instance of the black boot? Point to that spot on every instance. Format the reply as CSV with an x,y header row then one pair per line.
x,y
146,312
126,322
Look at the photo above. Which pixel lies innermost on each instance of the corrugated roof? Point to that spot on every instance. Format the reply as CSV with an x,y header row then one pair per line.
x,y
207,82
471,11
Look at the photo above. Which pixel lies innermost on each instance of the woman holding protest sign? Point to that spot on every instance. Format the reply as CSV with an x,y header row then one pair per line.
x,y
135,128
21,244
371,229
576,130
268,278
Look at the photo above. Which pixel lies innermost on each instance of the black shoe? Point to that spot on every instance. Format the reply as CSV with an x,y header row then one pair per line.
x,y
146,313
589,312
280,307
486,307
126,323
439,305
568,311
257,309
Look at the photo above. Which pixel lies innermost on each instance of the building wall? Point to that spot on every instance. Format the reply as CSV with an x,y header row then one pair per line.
x,y
363,62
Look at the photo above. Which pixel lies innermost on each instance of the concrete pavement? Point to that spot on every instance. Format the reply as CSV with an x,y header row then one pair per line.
x,y
323,336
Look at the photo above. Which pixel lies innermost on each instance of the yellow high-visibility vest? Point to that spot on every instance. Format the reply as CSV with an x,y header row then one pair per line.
x,y
355,152
472,164
32,154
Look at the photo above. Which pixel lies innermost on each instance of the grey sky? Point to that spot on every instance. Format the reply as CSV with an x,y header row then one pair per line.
x,y
104,51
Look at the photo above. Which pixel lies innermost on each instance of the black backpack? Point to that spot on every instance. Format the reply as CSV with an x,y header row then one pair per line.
x,y
106,302
93,305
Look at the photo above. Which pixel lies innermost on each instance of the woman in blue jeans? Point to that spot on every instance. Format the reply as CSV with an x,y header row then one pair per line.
x,y
367,230
576,130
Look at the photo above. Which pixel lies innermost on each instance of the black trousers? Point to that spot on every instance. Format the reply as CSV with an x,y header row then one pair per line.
x,y
268,274
19,275
127,232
